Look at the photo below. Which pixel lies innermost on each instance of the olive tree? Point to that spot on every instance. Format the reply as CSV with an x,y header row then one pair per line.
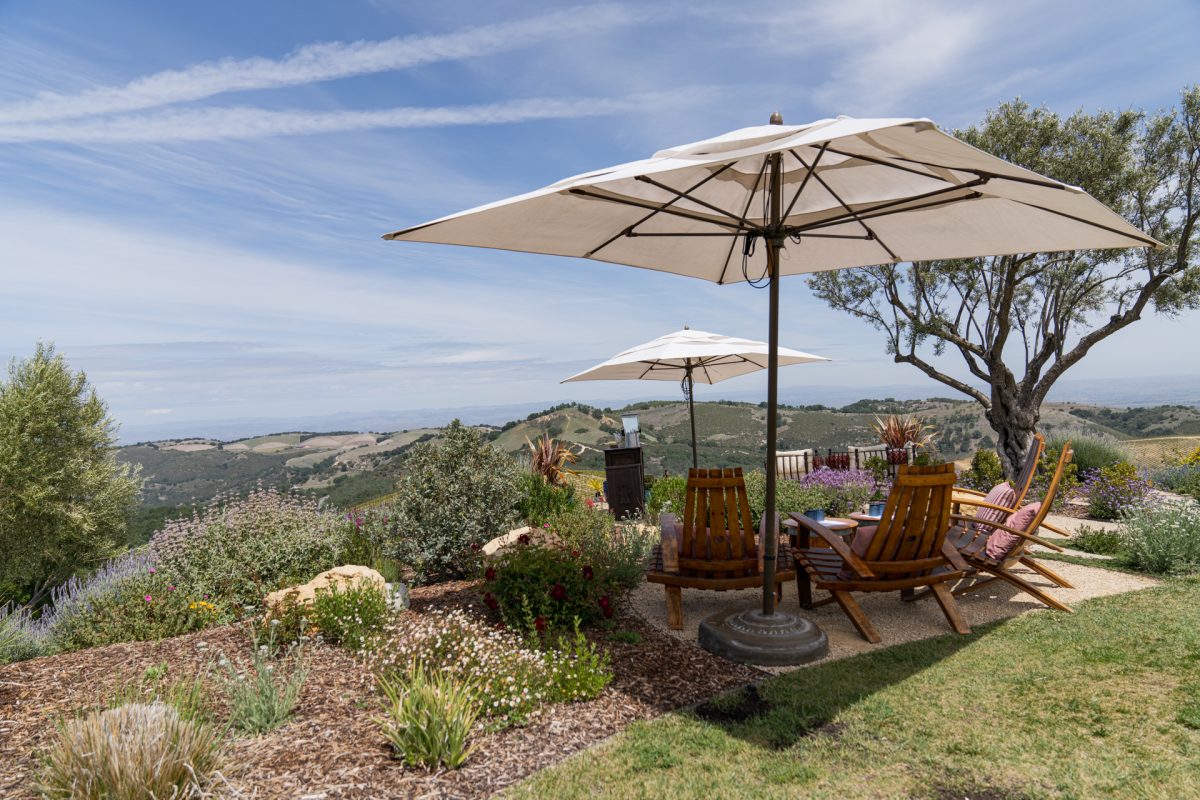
x,y
1018,322
64,498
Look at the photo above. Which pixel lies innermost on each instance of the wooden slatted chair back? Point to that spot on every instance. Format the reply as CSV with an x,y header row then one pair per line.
x,y
1029,469
1018,549
717,539
915,521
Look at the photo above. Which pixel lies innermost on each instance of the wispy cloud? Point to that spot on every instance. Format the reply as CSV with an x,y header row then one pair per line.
x,y
316,62
195,125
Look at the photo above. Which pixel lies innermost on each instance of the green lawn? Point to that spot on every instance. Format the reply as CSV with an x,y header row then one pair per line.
x,y
1103,703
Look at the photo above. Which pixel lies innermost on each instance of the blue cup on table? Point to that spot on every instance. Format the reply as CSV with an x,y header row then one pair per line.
x,y
815,514
875,509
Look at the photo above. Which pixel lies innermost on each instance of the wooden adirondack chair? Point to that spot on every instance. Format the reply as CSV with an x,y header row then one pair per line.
x,y
971,497
970,539
908,549
714,547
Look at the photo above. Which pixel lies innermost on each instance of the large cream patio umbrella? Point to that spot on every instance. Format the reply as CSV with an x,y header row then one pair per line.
x,y
688,356
762,202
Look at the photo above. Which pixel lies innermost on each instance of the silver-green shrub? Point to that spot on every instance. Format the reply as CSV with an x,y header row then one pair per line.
x,y
236,550
1163,538
21,636
455,496
262,696
131,753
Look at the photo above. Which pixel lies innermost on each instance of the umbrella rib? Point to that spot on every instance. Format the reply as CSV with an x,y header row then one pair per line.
x,y
836,196
629,201
749,200
808,174
680,195
613,238
1049,184
1150,242
886,208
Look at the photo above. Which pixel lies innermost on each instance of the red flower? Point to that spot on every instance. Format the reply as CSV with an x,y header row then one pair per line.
x,y
490,574
588,574
559,592
491,601
575,554
475,547
540,624
606,606
589,503
523,538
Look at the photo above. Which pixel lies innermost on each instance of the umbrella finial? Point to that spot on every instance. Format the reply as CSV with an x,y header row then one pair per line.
x,y
777,118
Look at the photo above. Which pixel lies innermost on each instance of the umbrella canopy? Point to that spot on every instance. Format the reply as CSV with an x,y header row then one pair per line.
x,y
762,202
689,356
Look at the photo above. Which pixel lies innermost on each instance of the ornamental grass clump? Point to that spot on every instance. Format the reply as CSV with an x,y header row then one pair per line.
x,y
428,718
1163,538
508,680
236,550
133,752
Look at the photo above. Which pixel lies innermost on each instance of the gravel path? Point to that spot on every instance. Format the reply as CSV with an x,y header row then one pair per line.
x,y
895,620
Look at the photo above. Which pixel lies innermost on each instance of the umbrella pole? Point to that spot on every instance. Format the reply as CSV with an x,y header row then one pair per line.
x,y
691,388
770,538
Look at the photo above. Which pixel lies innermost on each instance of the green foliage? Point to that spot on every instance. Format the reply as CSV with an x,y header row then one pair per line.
x,y
65,498
540,499
131,753
1068,487
582,565
262,696
1183,479
578,670
667,494
453,495
144,606
1089,452
1192,459
240,549
1163,539
20,638
428,718
1114,490
350,615
789,496
625,637
1097,540
984,473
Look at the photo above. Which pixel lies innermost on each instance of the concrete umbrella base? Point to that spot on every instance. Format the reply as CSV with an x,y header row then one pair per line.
x,y
750,637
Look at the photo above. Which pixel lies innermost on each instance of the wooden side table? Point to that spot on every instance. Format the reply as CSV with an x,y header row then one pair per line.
x,y
801,538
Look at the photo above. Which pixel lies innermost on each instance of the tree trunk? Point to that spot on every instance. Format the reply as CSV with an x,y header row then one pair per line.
x,y
1014,424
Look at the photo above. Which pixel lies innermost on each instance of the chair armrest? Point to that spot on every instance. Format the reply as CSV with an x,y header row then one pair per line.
x,y
954,557
837,543
983,504
959,490
1022,534
669,536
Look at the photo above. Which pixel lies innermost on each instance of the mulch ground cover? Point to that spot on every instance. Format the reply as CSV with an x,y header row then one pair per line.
x,y
331,748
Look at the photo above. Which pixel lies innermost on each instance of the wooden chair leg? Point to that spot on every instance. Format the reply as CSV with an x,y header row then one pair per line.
x,y
950,608
1037,566
856,615
778,591
1029,588
674,607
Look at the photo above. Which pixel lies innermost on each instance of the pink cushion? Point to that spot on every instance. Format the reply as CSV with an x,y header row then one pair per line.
x,y
1001,542
1002,494
858,545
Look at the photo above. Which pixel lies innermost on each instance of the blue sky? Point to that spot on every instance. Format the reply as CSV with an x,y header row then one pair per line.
x,y
193,193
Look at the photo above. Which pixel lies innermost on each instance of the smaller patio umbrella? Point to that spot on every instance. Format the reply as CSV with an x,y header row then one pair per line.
x,y
688,356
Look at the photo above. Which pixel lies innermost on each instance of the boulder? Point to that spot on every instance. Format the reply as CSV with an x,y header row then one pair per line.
x,y
343,577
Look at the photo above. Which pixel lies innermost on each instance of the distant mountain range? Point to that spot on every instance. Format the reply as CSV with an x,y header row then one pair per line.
x,y
1157,390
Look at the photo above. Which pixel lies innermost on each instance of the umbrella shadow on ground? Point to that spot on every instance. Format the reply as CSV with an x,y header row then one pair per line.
x,y
780,711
